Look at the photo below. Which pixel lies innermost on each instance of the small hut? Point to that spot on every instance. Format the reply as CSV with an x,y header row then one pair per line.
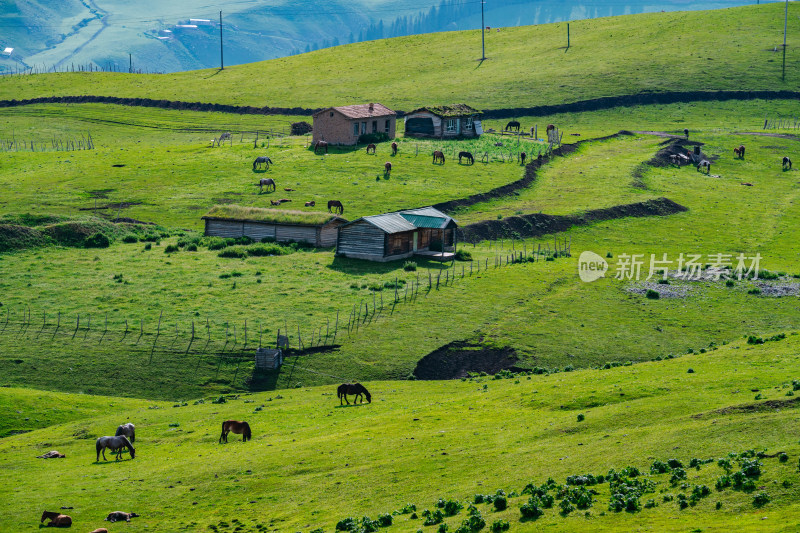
x,y
268,358
445,121
315,228
426,232
345,124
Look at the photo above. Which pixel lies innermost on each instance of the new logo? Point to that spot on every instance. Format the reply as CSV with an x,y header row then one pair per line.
x,y
591,266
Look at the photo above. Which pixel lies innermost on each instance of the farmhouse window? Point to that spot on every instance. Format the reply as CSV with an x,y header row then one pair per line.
x,y
331,113
355,129
451,124
386,129
363,128
468,123
374,126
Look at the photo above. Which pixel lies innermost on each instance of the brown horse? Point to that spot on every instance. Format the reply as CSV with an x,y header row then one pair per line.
x,y
438,156
356,389
739,151
394,148
371,147
312,203
234,426
320,145
387,168
468,156
335,206
56,519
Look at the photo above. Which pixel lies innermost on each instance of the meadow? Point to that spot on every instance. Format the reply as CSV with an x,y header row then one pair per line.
x,y
312,463
526,66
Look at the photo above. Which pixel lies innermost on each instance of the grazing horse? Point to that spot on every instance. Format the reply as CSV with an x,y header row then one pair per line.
x,y
129,430
266,182
119,516
262,160
522,157
438,155
56,519
686,132
550,127
312,203
356,389
468,155
704,164
321,144
224,137
335,206
739,151
513,125
240,428
387,168
394,148
115,444
787,163
372,147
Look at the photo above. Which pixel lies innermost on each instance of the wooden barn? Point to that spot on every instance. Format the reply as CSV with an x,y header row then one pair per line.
x,y
345,124
441,122
399,235
315,228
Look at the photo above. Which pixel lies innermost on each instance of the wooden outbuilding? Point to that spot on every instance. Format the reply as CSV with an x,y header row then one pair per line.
x,y
426,232
281,225
442,122
345,124
268,358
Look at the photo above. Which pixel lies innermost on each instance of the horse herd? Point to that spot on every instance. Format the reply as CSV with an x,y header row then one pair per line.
x,y
704,164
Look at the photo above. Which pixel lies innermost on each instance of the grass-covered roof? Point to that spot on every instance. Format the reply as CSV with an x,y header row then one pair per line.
x,y
454,110
273,216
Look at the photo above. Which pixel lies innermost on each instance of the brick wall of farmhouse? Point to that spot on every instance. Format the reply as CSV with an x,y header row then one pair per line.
x,y
338,129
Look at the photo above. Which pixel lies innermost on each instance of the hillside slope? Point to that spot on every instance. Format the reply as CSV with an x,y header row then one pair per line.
x,y
526,66
311,463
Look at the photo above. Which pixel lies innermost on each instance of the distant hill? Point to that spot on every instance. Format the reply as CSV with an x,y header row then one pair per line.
x,y
729,49
153,36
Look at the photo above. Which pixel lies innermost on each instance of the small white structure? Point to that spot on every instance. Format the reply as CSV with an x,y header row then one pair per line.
x,y
7,52
200,22
186,26
269,358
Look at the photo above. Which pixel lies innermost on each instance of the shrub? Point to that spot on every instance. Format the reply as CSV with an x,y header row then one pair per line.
x,y
783,457
795,384
649,504
718,506
754,290
98,240
532,509
130,238
463,255
148,246
443,528
369,138
725,464
263,250
751,467
678,474
500,503
432,518
581,417
450,507
724,481
566,506
171,248
384,520
659,467
663,281
406,509
217,243
690,371
674,463
236,252
410,266
652,295
761,499
191,248
730,283
348,524
500,525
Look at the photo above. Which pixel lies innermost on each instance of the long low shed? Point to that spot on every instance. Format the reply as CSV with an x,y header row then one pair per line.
x,y
282,226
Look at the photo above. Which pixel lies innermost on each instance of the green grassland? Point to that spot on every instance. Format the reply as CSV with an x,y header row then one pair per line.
x,y
527,66
312,463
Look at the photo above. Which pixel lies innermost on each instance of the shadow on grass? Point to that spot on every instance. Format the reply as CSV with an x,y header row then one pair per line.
x,y
346,265
350,405
263,380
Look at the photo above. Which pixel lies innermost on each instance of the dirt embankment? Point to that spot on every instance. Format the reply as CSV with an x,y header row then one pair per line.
x,y
455,360
535,225
594,104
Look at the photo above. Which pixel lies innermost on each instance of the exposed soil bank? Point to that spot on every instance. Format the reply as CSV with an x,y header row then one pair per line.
x,y
594,104
454,360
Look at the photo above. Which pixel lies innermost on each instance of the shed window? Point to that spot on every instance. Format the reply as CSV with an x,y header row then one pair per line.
x,y
331,113
468,123
355,129
386,129
451,124
363,128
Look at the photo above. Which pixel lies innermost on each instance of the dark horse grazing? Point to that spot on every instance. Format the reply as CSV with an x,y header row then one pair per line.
x,y
262,160
356,389
371,147
115,444
522,158
129,430
321,144
56,519
739,151
787,163
387,168
468,155
394,148
266,182
234,426
513,125
438,156
335,206
686,132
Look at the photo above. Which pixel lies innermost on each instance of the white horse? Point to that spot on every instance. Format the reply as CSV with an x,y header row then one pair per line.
x,y
115,444
128,430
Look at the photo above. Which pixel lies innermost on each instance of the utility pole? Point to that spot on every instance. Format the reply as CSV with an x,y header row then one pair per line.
x,y
221,62
483,29
130,63
785,20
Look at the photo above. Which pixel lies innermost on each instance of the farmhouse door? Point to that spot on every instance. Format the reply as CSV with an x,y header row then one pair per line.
x,y
416,238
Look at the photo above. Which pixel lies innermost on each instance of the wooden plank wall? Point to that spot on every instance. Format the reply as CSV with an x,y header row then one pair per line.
x,y
361,238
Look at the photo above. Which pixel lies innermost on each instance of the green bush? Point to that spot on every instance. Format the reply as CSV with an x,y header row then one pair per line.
x,y
130,238
532,509
148,246
370,138
463,255
217,243
263,250
652,295
98,240
659,467
761,499
171,248
191,248
730,283
410,266
500,502
754,290
384,520
432,518
236,252
500,525
581,417
348,524
783,457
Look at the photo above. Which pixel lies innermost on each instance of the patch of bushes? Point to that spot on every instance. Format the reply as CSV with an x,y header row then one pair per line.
x,y
581,417
500,525
652,295
97,240
236,252
130,238
406,509
384,520
370,138
533,509
450,507
754,290
191,248
171,248
432,518
761,499
263,250
463,255
410,266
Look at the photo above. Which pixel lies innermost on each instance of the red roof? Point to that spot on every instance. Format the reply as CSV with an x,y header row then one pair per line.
x,y
362,111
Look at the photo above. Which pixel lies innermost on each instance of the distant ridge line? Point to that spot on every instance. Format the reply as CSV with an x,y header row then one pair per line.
x,y
594,104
